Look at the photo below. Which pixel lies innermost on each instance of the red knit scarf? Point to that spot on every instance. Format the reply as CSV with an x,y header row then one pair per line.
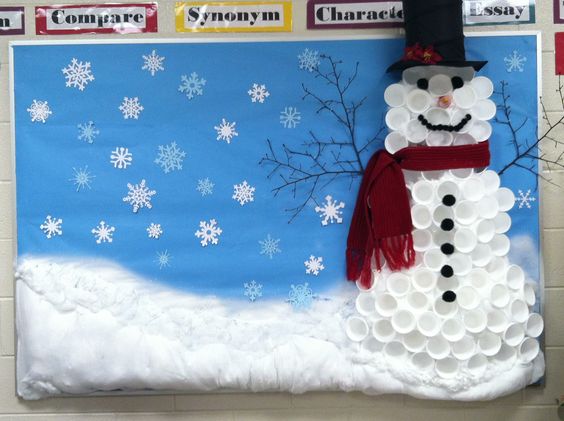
x,y
381,223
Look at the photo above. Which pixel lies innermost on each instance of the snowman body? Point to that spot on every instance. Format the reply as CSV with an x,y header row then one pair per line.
x,y
463,311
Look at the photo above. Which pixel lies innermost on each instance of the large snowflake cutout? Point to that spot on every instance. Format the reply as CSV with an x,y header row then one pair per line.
x,y
253,290
208,232
314,265
154,231
87,132
243,193
330,211
515,62
153,63
309,60
290,117
192,86
82,178
269,246
300,296
525,199
170,157
226,131
205,187
131,108
121,158
258,93
39,111
78,74
52,226
139,196
163,259
103,233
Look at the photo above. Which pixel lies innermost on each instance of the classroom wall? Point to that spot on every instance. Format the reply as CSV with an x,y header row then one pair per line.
x,y
532,404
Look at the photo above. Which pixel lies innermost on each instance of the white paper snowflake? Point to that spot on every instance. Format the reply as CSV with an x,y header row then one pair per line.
x,y
226,130
314,265
78,74
103,233
121,158
87,132
139,196
243,193
300,296
52,226
525,199
82,178
253,290
163,259
154,231
205,187
515,62
39,111
269,246
309,60
330,211
208,232
290,117
258,93
131,108
192,85
153,63
170,157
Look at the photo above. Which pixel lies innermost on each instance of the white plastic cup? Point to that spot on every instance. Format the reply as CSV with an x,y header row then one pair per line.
x,y
482,86
519,311
447,368
422,361
506,353
497,321
429,324
415,131
465,97
423,192
395,95
480,130
432,175
445,309
403,321
448,284
397,118
438,347
475,321
356,329
417,301
499,296
488,207
411,177
440,85
462,173
439,138
514,334
485,230
491,181
467,297
529,294
365,304
422,240
446,188
502,223
395,141
466,212
398,284
473,189
418,101
505,199
500,245
464,348
463,139
434,259
441,213
441,237
461,264
484,109
457,117
386,304
424,280
534,325
421,216
478,278
394,350
528,350
383,331
372,345
465,240
481,255
414,341
497,268
437,115
489,343
453,330
515,277
478,364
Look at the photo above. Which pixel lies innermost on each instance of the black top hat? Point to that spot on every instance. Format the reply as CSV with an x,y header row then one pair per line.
x,y
433,35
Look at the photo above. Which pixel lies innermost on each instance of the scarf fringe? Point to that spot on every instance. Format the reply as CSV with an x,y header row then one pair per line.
x,y
398,252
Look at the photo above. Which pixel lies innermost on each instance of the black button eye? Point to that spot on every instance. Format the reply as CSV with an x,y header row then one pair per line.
x,y
449,296
447,271
449,200
457,82
447,224
423,83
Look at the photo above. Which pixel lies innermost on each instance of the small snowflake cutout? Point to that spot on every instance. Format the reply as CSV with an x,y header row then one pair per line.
x,y
52,227
253,290
39,111
314,265
309,60
330,212
153,63
121,158
192,86
82,178
300,296
515,62
258,93
87,132
103,233
290,117
243,193
270,246
139,196
78,74
170,157
154,231
163,259
226,131
205,187
131,108
525,199
208,232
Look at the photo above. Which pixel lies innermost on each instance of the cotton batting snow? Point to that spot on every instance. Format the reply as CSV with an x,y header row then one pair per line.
x,y
87,327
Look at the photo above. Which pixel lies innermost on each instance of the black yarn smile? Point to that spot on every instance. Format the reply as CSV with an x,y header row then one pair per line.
x,y
446,127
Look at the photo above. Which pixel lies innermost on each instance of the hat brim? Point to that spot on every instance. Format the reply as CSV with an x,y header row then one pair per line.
x,y
406,64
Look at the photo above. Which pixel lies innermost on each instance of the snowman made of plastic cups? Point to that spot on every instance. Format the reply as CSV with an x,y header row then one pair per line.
x,y
437,289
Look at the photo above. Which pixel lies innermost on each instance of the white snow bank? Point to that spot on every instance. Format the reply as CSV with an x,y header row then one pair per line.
x,y
85,327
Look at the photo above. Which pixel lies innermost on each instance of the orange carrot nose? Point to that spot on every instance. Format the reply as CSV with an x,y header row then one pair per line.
x,y
445,101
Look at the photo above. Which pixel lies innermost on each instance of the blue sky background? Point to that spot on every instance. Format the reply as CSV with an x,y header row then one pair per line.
x,y
47,153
